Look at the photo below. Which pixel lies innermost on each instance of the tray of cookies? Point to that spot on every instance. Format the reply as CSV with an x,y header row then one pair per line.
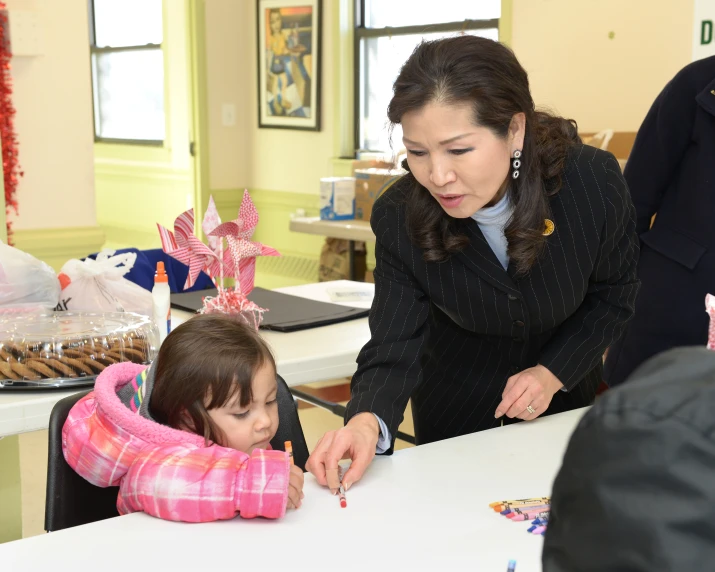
x,y
67,349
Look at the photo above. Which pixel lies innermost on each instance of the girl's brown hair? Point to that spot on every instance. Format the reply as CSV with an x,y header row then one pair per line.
x,y
202,365
486,75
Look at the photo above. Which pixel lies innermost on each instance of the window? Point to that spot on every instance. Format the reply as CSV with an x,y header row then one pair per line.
x,y
386,33
127,70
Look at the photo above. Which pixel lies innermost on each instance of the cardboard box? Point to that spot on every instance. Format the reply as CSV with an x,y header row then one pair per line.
x,y
337,198
370,164
335,260
369,185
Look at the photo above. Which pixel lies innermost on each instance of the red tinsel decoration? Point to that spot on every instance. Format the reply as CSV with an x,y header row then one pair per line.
x,y
10,165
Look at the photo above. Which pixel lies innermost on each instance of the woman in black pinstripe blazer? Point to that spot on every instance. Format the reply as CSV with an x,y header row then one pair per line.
x,y
506,261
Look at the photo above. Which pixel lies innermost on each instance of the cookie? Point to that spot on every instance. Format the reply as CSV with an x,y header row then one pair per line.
x,y
63,369
23,371
7,372
79,366
39,366
134,355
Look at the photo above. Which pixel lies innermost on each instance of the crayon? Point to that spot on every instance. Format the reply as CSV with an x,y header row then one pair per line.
x,y
522,501
512,566
341,491
505,506
529,516
289,450
528,510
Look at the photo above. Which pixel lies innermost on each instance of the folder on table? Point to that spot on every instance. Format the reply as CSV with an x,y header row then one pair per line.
x,y
286,313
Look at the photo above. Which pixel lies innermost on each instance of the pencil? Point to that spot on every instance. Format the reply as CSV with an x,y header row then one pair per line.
x,y
289,450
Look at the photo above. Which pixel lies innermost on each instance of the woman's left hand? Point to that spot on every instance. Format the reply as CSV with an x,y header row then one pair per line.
x,y
533,387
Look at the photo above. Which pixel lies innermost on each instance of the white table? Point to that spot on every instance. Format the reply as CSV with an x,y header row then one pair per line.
x,y
350,230
317,354
425,507
345,229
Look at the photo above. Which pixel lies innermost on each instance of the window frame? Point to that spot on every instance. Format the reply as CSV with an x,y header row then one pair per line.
x,y
362,32
94,49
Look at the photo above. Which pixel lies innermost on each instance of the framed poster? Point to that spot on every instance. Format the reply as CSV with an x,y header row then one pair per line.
x,y
289,57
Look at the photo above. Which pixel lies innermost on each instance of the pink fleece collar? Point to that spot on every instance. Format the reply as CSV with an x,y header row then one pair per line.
x,y
105,392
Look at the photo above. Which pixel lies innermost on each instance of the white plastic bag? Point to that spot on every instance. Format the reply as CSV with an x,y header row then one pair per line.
x,y
99,285
25,282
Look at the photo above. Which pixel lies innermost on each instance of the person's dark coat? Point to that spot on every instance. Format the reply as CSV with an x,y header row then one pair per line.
x,y
671,174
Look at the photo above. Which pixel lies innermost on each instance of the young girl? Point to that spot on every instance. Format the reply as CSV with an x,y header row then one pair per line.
x,y
189,438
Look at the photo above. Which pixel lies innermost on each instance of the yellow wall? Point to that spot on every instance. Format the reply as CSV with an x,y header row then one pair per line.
x,y
52,95
574,68
601,83
229,59
244,155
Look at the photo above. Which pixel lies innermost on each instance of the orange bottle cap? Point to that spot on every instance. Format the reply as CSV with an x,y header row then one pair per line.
x,y
160,275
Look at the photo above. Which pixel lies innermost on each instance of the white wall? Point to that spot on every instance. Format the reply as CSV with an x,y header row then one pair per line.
x,y
53,98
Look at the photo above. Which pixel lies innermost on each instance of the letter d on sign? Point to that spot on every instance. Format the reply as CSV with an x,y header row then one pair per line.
x,y
706,32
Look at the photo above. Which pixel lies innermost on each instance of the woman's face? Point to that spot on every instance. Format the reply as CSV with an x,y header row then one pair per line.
x,y
463,166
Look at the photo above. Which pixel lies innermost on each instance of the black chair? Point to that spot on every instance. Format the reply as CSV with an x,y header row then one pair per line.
x,y
72,501
289,427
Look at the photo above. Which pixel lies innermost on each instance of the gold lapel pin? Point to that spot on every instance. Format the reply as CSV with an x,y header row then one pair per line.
x,y
548,227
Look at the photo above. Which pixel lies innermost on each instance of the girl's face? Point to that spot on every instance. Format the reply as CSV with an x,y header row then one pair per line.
x,y
251,427
464,167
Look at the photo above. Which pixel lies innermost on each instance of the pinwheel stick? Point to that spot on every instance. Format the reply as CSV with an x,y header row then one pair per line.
x,y
220,248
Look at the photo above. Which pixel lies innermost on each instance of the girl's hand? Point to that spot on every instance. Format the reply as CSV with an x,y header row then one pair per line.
x,y
295,487
532,387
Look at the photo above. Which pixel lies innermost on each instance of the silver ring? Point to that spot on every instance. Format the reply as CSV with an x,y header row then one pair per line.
x,y
530,409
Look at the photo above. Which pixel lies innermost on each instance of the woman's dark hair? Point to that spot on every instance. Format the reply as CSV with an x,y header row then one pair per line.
x,y
486,75
202,365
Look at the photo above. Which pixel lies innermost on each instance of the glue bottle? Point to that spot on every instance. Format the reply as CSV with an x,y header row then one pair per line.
x,y
161,302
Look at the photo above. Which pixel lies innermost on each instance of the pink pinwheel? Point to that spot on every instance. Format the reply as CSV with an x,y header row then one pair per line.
x,y
211,221
240,259
184,246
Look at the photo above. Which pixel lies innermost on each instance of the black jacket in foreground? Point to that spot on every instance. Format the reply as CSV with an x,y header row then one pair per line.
x,y
636,492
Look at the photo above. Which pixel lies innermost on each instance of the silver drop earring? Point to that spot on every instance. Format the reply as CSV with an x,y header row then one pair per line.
x,y
515,164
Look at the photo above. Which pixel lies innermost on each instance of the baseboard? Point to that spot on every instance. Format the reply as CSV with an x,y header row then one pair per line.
x,y
55,246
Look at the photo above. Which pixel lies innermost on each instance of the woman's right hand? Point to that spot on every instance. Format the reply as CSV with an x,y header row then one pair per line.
x,y
356,441
295,487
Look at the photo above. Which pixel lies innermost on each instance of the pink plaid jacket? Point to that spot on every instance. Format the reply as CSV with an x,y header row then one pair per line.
x,y
165,472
